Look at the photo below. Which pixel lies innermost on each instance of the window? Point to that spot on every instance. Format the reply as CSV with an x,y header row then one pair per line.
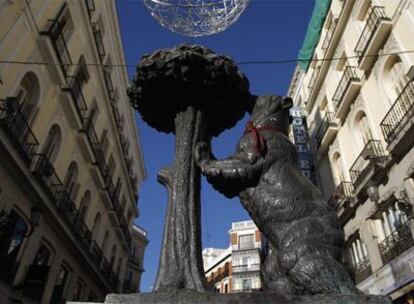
x,y
37,274
92,297
364,130
338,169
52,143
246,241
69,183
105,242
118,269
27,95
112,260
111,165
96,226
392,218
123,202
357,252
129,282
65,23
93,113
246,284
117,186
78,291
58,290
394,78
12,234
104,141
84,205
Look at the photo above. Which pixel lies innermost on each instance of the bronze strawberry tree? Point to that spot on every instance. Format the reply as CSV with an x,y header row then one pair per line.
x,y
194,93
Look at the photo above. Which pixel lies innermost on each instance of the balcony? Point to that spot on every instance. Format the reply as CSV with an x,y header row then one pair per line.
x,y
17,128
369,156
99,42
44,171
360,271
58,43
246,268
398,123
376,30
246,290
346,92
396,243
328,36
76,107
343,193
326,132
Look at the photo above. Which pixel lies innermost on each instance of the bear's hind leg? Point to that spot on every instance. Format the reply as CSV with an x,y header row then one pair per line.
x,y
273,278
322,274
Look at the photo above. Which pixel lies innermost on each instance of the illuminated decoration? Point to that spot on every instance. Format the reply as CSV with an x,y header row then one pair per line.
x,y
196,18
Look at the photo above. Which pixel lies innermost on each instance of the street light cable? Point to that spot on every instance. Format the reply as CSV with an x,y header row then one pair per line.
x,y
248,62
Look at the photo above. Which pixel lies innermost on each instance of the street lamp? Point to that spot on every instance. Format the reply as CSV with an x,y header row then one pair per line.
x,y
35,218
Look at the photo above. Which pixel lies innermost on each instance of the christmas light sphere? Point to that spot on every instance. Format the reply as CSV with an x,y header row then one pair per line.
x,y
196,18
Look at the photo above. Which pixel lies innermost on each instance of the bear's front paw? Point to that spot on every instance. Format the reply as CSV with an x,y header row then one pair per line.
x,y
201,152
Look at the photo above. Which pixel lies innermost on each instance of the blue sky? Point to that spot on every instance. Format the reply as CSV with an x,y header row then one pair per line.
x,y
268,30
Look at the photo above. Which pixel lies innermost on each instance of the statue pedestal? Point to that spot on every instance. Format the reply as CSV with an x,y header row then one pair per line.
x,y
193,297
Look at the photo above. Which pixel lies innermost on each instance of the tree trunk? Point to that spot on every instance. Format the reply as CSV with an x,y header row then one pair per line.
x,y
181,261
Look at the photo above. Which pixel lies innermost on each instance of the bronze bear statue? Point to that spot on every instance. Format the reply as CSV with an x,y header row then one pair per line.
x,y
303,232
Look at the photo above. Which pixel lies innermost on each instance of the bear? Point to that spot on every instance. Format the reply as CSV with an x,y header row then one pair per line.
x,y
305,239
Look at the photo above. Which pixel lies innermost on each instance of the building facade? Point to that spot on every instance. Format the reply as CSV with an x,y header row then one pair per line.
x,y
70,154
358,95
135,266
237,268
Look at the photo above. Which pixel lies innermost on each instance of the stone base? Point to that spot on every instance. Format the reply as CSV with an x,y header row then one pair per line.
x,y
193,297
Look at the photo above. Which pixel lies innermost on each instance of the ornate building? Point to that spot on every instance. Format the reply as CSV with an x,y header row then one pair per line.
x,y
71,161
135,266
360,113
237,268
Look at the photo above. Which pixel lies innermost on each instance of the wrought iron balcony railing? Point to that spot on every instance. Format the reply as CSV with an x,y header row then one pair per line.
x,y
372,152
360,271
43,170
343,193
74,88
399,241
247,289
103,168
329,35
327,121
400,114
246,268
374,20
54,29
18,129
348,76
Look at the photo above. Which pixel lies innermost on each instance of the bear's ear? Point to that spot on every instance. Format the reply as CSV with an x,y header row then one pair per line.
x,y
287,103
251,101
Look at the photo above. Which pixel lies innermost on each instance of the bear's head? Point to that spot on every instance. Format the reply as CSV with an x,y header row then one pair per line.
x,y
271,111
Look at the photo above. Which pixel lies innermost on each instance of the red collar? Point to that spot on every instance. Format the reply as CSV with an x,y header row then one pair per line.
x,y
260,141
